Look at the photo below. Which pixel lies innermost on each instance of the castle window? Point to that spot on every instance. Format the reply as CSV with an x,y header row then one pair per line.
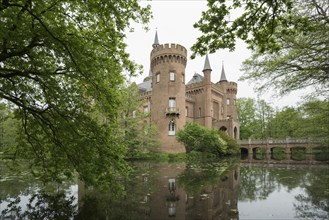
x,y
172,128
172,76
199,111
158,77
172,185
186,111
172,103
227,101
183,78
146,109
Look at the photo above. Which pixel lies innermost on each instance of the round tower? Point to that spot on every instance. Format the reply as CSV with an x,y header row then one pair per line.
x,y
168,64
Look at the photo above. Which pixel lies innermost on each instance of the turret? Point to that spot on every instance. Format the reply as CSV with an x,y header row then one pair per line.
x,y
207,99
207,71
223,76
156,40
231,115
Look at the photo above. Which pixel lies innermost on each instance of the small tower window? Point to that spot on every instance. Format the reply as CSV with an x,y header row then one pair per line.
x,y
227,101
172,76
186,111
146,109
158,77
183,78
172,128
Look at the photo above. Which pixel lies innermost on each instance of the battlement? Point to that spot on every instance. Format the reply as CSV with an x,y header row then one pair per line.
x,y
232,84
168,53
144,95
232,88
173,49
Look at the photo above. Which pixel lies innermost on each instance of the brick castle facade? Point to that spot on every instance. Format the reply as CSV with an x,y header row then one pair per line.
x,y
172,102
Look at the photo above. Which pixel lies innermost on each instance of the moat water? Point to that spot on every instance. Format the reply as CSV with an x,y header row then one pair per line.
x,y
229,188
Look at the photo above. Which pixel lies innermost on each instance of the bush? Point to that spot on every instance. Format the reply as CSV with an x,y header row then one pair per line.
x,y
232,145
198,138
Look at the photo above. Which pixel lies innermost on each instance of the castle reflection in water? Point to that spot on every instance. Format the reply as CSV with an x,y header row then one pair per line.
x,y
177,191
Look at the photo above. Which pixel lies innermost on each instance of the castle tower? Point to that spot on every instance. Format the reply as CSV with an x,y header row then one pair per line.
x,y
168,62
230,88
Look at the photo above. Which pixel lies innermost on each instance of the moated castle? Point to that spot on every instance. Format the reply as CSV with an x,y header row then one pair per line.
x,y
172,103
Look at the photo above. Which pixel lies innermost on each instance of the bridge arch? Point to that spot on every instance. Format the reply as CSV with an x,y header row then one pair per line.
x,y
244,150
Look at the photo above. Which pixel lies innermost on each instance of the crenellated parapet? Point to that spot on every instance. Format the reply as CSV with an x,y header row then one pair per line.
x,y
168,53
231,87
194,85
145,95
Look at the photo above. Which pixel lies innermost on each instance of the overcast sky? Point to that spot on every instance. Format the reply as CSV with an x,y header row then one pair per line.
x,y
174,22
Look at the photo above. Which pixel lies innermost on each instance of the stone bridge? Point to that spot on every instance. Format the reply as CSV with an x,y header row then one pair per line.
x,y
288,143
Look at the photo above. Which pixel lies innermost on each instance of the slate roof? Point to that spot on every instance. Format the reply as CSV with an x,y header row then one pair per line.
x,y
145,86
196,78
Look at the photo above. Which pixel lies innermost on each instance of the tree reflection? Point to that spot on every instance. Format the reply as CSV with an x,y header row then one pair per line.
x,y
258,182
202,172
42,205
315,204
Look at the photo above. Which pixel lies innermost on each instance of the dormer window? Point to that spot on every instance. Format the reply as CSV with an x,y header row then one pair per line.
x,y
172,76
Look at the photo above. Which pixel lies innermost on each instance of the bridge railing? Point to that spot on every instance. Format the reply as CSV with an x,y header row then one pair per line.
x,y
281,141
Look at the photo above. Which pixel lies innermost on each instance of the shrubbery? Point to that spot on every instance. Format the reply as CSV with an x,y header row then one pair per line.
x,y
198,138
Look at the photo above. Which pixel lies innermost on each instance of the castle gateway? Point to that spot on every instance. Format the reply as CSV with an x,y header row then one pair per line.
x,y
172,103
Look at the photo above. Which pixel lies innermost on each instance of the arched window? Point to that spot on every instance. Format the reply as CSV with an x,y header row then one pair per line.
x,y
235,133
172,128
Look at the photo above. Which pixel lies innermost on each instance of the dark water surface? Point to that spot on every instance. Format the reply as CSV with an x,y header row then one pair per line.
x,y
195,189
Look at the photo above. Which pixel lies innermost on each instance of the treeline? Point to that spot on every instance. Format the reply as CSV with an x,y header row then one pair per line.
x,y
259,120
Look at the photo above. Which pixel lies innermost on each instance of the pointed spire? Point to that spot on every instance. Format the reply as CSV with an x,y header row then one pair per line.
x,y
223,76
206,64
156,40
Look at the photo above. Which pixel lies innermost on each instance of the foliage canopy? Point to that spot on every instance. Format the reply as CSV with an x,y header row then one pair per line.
x,y
60,63
289,40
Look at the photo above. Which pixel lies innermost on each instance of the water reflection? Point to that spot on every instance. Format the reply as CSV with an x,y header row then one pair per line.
x,y
284,191
171,191
195,189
